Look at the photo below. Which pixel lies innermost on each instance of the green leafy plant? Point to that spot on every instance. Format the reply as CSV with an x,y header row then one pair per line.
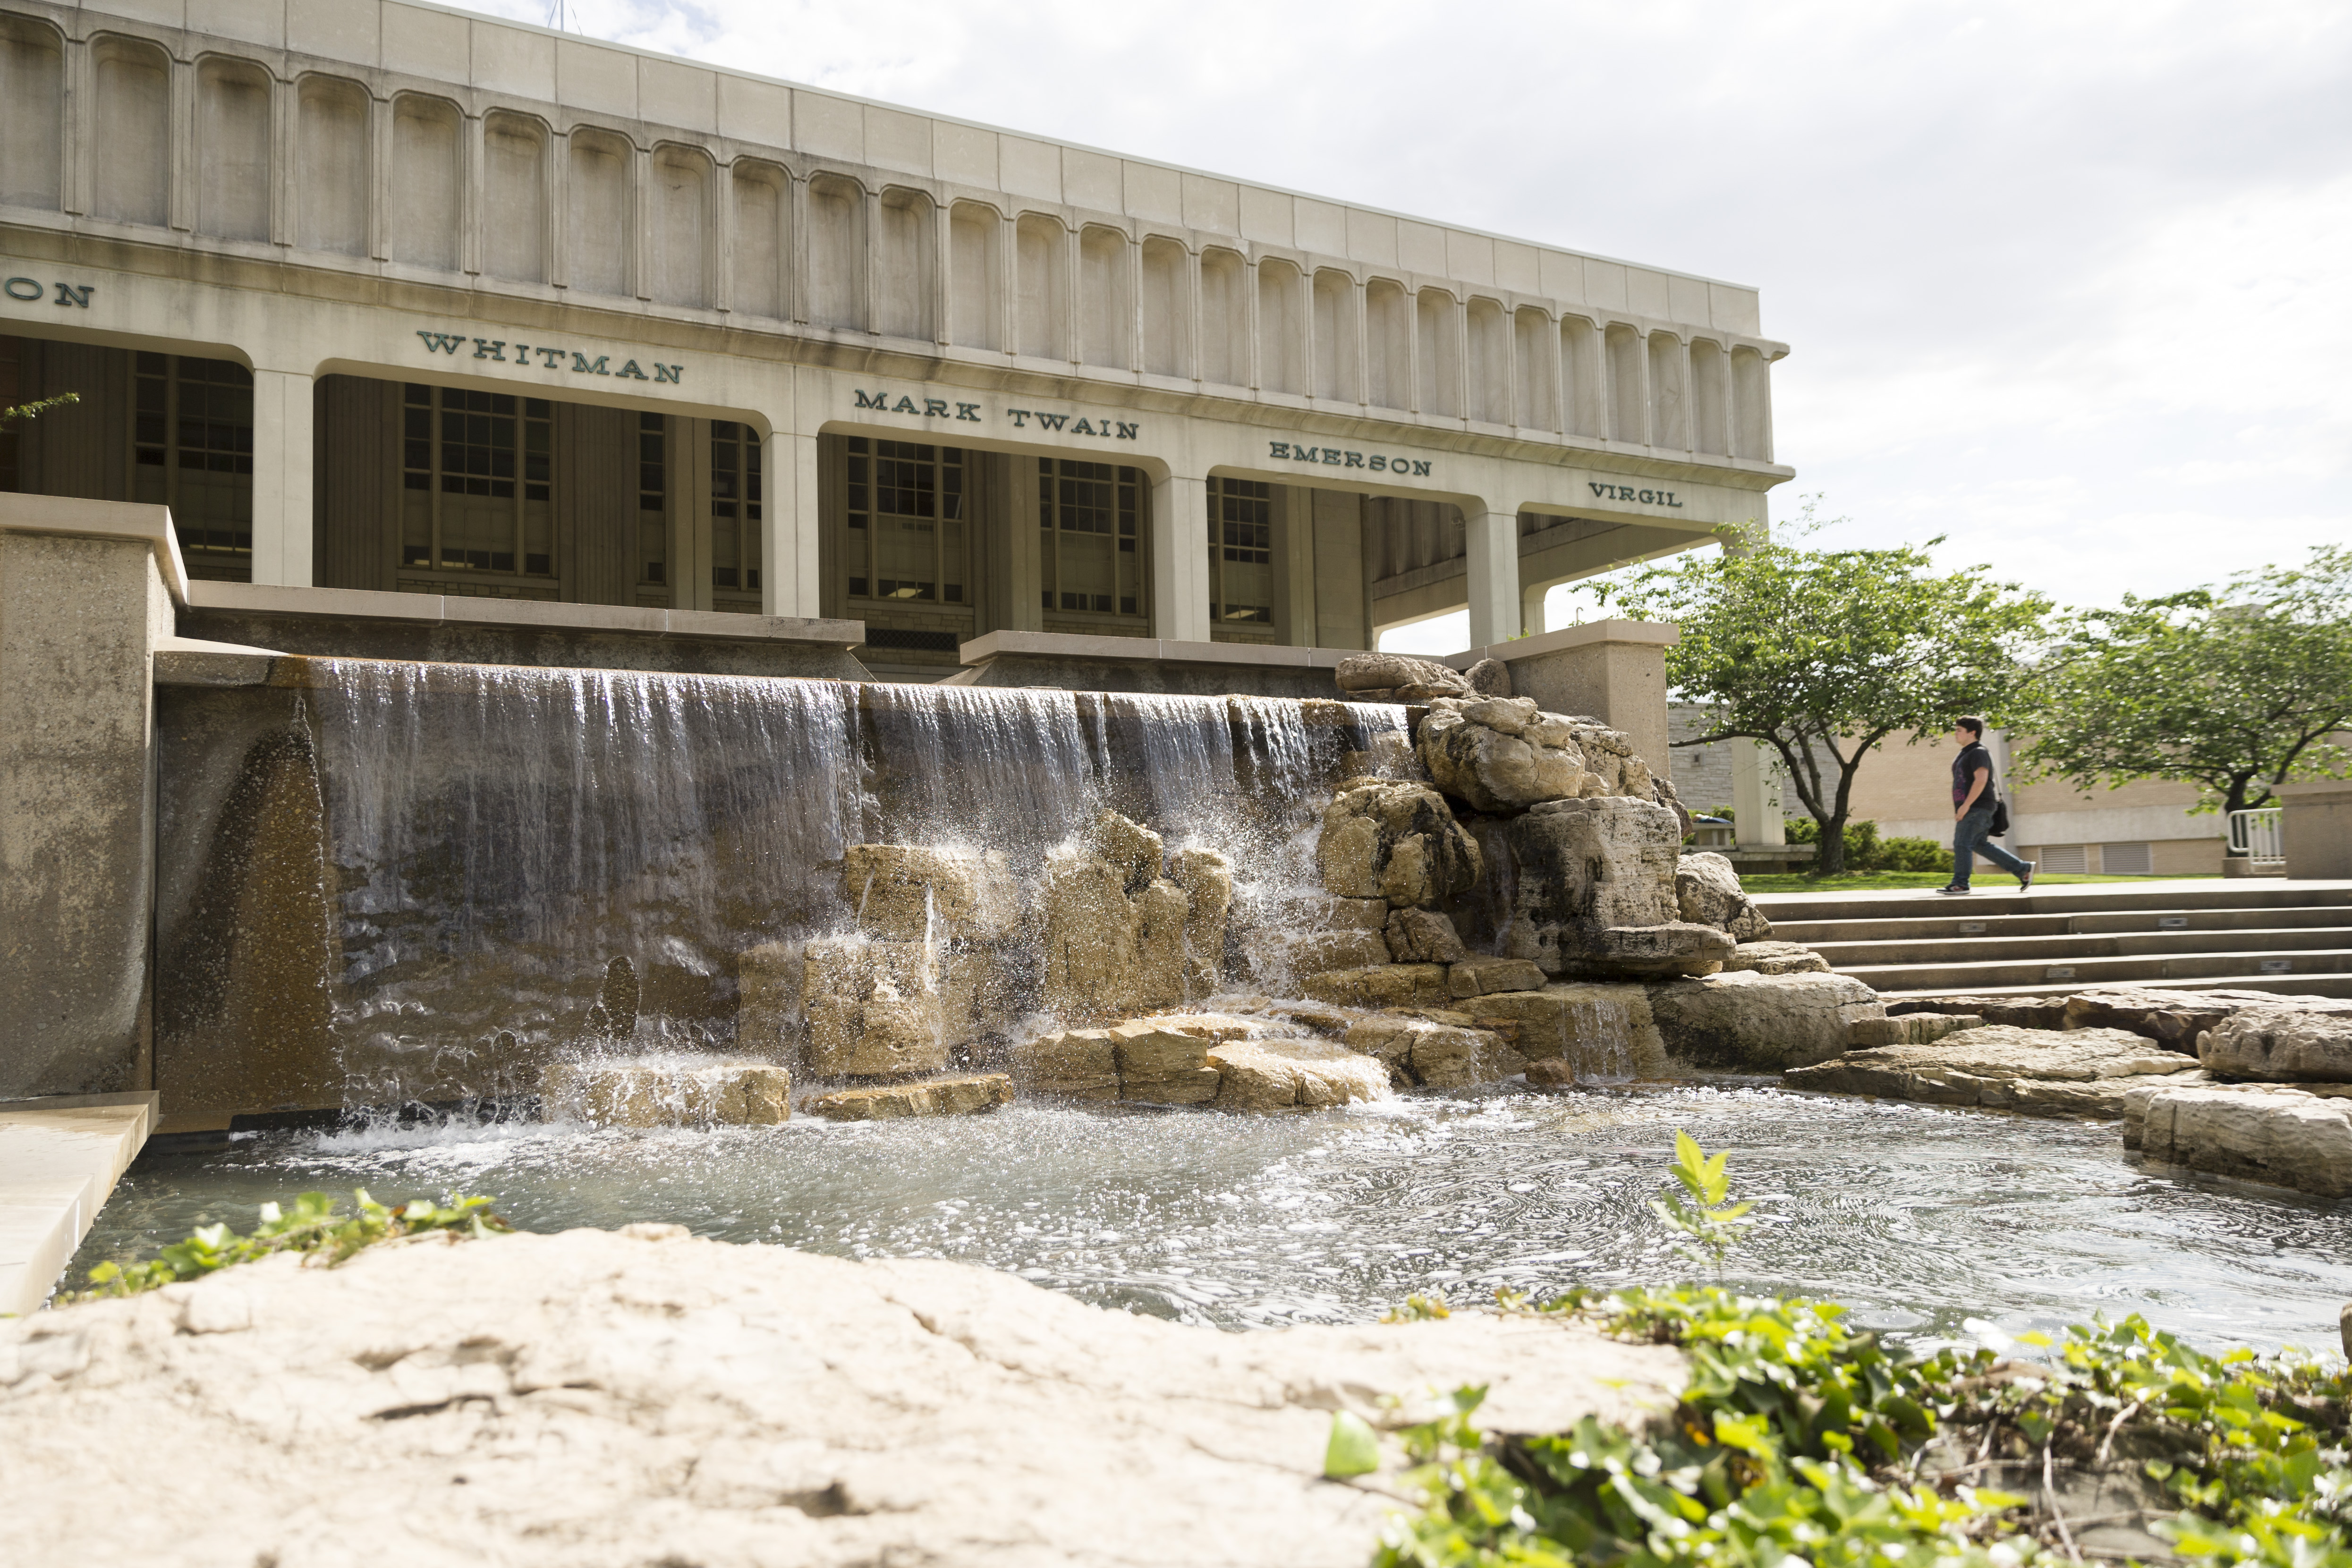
x,y
37,408
1797,1439
1865,851
1418,1309
1703,1212
316,1226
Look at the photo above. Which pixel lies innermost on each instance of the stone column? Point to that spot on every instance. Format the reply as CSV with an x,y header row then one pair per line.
x,y
87,592
281,478
790,522
1756,802
1179,559
1531,608
1493,538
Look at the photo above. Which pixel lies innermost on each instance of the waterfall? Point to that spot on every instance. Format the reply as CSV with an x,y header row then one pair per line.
x,y
502,839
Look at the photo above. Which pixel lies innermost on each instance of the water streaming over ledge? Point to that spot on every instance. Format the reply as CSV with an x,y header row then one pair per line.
x,y
498,836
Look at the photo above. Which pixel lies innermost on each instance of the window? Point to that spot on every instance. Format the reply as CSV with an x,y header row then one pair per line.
x,y
653,499
1241,550
192,449
1087,517
906,517
734,506
476,482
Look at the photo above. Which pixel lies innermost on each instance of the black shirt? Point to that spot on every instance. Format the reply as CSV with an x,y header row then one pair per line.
x,y
1972,757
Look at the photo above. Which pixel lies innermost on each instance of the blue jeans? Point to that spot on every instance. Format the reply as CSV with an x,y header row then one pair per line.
x,y
1970,839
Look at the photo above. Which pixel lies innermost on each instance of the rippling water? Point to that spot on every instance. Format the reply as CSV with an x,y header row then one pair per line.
x,y
1918,1218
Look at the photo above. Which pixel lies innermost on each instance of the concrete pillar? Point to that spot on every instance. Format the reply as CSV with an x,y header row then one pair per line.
x,y
1493,538
87,592
281,478
1179,559
1756,802
1531,608
790,580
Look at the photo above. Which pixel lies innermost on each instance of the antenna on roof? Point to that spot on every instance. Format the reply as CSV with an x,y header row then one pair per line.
x,y
556,15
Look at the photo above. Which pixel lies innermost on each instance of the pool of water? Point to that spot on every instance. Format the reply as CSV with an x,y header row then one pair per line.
x,y
1921,1218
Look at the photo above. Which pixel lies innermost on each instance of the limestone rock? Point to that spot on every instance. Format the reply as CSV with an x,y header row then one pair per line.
x,y
1215,1028
1707,893
1423,936
768,1000
1489,678
1320,954
2286,1136
1394,840
1293,1075
2177,1018
1381,986
1436,1055
1500,754
1603,1030
964,1095
1480,976
874,1009
1910,1029
1350,915
1552,1072
632,1398
1744,1021
1777,958
1593,892
908,893
2083,1072
2280,1043
1398,677
1117,932
666,1092
1074,1063
2020,1012
1161,1065
1206,879
1662,792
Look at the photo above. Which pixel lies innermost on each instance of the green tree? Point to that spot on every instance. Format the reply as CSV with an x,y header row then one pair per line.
x,y
9,416
2232,689
1821,654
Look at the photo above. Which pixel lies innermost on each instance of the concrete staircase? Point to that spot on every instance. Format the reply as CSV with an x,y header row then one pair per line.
x,y
2267,935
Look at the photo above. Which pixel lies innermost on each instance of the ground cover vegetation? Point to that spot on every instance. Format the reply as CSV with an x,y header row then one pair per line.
x,y
2234,688
1800,1440
317,1226
1822,654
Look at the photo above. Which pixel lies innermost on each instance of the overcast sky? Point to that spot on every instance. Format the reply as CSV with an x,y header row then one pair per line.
x,y
2070,283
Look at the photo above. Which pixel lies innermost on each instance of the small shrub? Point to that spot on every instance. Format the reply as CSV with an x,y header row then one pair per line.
x,y
1865,851
317,1226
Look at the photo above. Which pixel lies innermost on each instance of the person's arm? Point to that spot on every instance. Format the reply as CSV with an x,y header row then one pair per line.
x,y
1976,787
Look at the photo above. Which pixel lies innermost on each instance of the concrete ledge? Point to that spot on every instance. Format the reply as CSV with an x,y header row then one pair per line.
x,y
1068,646
59,1158
1660,633
434,609
1148,664
68,517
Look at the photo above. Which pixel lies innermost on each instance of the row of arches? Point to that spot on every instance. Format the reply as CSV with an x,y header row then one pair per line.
x,y
324,165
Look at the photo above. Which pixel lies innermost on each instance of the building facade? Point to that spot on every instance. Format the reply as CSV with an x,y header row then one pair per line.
x,y
387,297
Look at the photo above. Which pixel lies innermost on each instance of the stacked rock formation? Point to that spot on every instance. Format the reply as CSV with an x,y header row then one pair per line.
x,y
1127,928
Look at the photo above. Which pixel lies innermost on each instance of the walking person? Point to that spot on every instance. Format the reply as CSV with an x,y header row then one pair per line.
x,y
1975,801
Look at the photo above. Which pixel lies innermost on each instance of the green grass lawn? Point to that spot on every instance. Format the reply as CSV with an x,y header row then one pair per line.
x,y
1986,880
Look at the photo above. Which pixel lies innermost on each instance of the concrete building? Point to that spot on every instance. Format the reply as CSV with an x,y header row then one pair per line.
x,y
383,298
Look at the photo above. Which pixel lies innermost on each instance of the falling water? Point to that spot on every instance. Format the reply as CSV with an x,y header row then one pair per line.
x,y
502,837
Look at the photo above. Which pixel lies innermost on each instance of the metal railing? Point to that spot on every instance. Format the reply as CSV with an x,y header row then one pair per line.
x,y
2255,835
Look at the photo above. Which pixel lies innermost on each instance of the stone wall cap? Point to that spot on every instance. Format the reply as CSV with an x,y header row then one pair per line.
x,y
369,604
1652,633
70,517
1144,650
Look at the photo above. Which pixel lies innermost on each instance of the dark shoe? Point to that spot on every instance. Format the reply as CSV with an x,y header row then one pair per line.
x,y
1956,890
2025,877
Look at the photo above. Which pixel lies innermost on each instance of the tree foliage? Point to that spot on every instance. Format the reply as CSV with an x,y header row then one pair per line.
x,y
23,410
2233,689
1821,654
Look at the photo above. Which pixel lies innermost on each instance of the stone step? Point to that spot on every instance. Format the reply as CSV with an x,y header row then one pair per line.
x,y
2078,974
2083,898
2286,985
1967,921
2003,946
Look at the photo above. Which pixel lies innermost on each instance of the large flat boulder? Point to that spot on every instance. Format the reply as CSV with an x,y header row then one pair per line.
x,y
2274,1042
678,1091
1382,986
1744,1021
1293,1075
2080,1072
2286,1136
1433,1054
1398,677
2175,1017
644,1396
1071,1064
959,1095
